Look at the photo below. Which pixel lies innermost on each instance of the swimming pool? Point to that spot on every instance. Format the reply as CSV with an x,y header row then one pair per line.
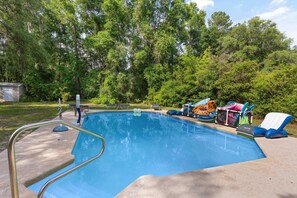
x,y
150,144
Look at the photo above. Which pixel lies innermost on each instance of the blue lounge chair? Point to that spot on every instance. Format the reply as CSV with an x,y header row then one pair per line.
x,y
271,127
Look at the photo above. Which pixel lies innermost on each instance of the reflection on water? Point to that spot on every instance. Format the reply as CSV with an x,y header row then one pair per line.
x,y
148,144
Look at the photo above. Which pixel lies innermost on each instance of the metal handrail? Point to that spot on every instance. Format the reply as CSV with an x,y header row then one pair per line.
x,y
12,158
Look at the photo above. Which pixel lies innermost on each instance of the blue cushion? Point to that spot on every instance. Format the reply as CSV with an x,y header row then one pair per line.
x,y
288,119
259,131
172,112
179,113
272,133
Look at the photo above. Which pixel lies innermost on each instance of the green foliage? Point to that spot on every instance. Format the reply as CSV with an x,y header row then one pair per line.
x,y
172,93
254,40
65,94
236,83
279,60
165,49
206,75
276,90
155,76
219,26
91,84
39,82
159,51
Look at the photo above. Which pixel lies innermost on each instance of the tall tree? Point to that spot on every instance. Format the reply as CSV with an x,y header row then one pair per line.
x,y
254,39
219,25
21,49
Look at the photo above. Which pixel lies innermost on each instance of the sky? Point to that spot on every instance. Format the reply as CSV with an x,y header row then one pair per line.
x,y
282,12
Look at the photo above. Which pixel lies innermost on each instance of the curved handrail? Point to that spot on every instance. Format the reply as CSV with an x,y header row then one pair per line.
x,y
12,159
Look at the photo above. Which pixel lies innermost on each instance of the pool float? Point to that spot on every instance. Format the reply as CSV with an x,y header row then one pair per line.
x,y
137,112
206,112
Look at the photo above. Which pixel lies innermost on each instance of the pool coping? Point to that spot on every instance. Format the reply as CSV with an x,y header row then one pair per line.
x,y
275,174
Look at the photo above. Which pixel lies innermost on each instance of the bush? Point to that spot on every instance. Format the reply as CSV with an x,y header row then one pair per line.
x,y
26,98
65,96
104,100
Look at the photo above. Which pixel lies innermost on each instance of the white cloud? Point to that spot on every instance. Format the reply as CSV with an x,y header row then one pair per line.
x,y
275,13
285,18
202,4
287,24
278,2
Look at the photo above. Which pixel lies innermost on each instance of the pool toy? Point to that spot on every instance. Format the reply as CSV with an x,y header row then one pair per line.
x,y
206,112
244,117
232,112
137,112
187,109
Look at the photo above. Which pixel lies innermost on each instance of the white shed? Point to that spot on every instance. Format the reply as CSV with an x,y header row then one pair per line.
x,y
11,92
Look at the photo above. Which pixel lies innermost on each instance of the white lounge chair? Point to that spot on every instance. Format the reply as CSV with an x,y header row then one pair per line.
x,y
271,127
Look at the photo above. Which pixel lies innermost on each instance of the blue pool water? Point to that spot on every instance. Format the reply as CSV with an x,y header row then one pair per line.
x,y
150,144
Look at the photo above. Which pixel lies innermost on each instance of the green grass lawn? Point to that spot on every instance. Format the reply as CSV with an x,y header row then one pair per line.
x,y
15,115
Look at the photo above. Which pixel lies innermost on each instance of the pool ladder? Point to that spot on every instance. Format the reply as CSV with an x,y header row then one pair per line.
x,y
12,158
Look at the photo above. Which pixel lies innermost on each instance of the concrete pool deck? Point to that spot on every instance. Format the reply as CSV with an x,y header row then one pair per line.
x,y
41,153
